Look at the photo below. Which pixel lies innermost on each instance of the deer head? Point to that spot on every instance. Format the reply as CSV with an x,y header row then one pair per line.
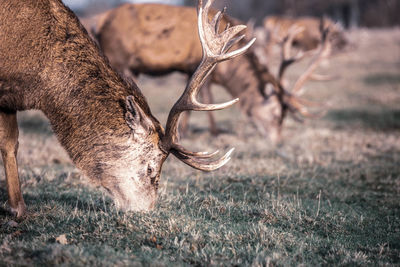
x,y
136,177
269,114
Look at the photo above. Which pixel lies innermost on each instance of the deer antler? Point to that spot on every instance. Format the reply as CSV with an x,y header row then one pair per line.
x,y
294,104
215,46
325,50
287,43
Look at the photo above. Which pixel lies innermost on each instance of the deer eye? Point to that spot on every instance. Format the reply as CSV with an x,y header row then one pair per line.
x,y
149,170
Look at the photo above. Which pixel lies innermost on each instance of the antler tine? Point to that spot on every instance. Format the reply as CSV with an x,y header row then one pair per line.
x,y
203,165
214,43
324,52
217,19
295,106
287,59
233,41
288,40
321,77
188,153
215,46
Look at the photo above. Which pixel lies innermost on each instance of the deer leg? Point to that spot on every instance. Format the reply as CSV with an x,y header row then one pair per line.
x,y
8,148
207,97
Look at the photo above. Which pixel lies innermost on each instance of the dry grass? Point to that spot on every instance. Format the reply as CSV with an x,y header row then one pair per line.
x,y
330,195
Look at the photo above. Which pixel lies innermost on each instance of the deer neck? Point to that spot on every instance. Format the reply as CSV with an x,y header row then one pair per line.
x,y
65,76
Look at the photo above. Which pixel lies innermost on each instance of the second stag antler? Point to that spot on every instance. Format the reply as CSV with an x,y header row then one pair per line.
x,y
291,98
215,46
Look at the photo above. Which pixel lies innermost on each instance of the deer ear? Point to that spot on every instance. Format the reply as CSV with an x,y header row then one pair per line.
x,y
136,118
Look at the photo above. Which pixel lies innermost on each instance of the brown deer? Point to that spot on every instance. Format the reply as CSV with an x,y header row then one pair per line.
x,y
277,27
49,62
158,39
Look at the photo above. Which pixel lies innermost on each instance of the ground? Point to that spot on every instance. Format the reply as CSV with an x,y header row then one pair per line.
x,y
329,196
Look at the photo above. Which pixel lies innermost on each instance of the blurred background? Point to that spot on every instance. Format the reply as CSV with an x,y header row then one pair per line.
x,y
350,13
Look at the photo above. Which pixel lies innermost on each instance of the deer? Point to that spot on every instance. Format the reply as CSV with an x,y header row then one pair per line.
x,y
48,62
277,27
157,39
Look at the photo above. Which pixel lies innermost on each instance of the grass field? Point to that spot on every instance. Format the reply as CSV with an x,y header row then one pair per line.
x,y
329,196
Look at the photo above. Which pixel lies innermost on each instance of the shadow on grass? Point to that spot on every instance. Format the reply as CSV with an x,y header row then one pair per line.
x,y
382,79
384,120
3,198
4,212
3,191
88,201
53,192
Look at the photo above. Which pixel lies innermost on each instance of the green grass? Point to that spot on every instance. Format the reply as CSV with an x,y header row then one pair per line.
x,y
382,78
312,216
329,196
379,120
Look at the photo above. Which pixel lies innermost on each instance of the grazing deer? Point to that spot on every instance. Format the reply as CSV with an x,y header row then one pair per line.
x,y
277,28
158,39
49,62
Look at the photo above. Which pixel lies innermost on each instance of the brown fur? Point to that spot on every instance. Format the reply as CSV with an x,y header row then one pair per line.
x,y
157,39
48,62
278,27
9,147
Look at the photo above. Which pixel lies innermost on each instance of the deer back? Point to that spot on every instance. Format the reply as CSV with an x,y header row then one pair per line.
x,y
151,38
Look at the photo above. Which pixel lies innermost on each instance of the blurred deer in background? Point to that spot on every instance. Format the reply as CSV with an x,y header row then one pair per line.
x,y
158,39
48,62
277,27
297,105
